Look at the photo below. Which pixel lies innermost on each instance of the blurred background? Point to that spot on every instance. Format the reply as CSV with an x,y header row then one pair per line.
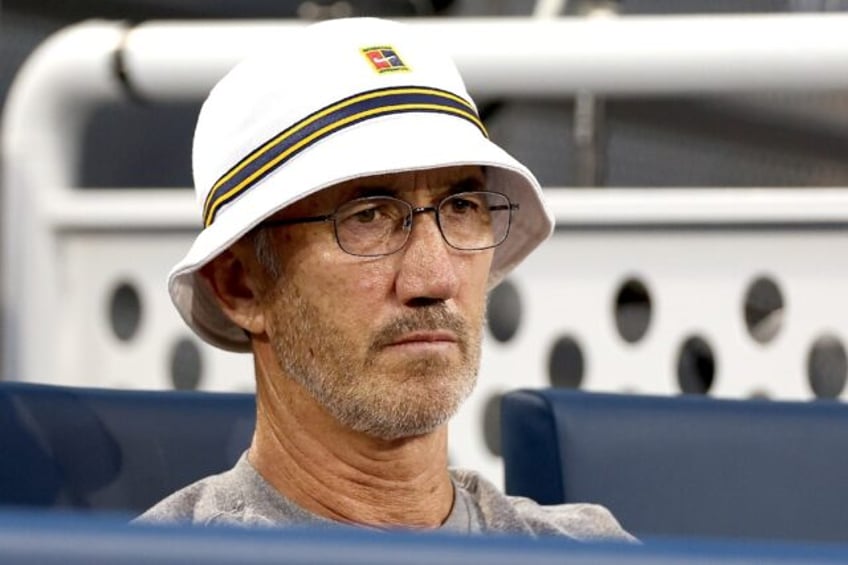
x,y
715,307
771,139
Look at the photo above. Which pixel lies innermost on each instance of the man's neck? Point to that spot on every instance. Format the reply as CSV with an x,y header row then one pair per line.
x,y
346,475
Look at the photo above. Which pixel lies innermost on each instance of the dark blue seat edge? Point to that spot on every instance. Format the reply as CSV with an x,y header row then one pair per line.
x,y
528,427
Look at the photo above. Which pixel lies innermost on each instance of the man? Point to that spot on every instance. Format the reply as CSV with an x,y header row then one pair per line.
x,y
355,215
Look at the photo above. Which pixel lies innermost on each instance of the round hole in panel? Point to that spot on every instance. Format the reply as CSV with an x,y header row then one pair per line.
x,y
695,366
492,424
565,364
125,311
827,367
186,365
632,310
763,309
504,311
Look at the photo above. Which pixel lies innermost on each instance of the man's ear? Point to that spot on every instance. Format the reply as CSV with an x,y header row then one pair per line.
x,y
236,289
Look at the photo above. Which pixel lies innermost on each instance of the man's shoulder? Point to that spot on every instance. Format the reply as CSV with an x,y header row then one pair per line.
x,y
211,500
581,521
515,514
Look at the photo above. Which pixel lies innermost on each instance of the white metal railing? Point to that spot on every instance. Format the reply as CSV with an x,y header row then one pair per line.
x,y
551,57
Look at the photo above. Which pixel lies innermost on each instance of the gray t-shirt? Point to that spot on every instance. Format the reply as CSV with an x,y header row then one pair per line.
x,y
241,496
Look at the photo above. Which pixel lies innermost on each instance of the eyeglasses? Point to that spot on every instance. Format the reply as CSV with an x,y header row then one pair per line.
x,y
374,226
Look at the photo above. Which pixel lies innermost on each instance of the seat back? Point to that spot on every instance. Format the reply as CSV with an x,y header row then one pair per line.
x,y
690,466
49,538
121,450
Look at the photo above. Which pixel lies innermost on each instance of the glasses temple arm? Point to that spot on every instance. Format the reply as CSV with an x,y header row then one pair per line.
x,y
291,221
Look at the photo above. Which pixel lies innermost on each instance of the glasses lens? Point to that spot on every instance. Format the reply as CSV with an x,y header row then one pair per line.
x,y
372,226
475,220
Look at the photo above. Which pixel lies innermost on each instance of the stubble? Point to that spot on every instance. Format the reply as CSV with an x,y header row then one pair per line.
x,y
350,376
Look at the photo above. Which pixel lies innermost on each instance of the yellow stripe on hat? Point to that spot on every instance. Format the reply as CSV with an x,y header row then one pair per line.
x,y
294,139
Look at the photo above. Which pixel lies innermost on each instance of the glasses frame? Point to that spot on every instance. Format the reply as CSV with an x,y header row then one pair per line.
x,y
409,219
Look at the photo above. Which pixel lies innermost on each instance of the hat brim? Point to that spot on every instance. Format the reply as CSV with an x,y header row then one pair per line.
x,y
409,142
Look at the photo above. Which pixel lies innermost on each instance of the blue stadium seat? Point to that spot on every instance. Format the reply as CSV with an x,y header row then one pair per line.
x,y
117,450
684,466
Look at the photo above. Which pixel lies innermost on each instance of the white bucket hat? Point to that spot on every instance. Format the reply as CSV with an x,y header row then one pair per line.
x,y
334,101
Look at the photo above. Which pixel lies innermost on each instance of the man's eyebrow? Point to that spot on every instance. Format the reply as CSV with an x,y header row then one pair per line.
x,y
464,184
467,184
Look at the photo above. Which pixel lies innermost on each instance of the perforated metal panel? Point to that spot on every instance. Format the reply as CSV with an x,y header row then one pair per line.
x,y
93,267
697,280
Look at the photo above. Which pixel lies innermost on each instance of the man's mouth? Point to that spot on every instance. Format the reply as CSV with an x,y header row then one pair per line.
x,y
425,330
423,338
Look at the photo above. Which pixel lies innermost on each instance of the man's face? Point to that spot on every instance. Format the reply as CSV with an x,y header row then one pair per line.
x,y
388,345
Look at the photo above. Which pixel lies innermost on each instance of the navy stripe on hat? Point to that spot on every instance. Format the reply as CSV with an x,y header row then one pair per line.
x,y
330,119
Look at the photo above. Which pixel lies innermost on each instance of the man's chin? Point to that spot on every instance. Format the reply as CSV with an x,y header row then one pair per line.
x,y
415,404
431,364
401,430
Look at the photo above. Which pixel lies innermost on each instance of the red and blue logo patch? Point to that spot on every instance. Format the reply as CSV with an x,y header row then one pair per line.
x,y
384,59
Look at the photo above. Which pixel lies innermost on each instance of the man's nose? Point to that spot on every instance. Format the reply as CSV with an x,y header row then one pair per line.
x,y
428,269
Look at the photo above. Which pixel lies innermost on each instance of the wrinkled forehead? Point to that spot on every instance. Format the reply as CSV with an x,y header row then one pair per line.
x,y
430,183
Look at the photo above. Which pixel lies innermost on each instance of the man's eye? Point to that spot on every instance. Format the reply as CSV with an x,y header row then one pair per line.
x,y
365,215
463,205
370,212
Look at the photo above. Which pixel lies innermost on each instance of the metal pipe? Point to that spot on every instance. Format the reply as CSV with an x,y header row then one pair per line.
x,y
621,207
47,106
632,55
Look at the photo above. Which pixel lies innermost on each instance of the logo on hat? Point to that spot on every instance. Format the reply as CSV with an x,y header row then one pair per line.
x,y
384,59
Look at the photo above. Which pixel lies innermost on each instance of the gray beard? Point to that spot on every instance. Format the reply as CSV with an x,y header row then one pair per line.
x,y
411,399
